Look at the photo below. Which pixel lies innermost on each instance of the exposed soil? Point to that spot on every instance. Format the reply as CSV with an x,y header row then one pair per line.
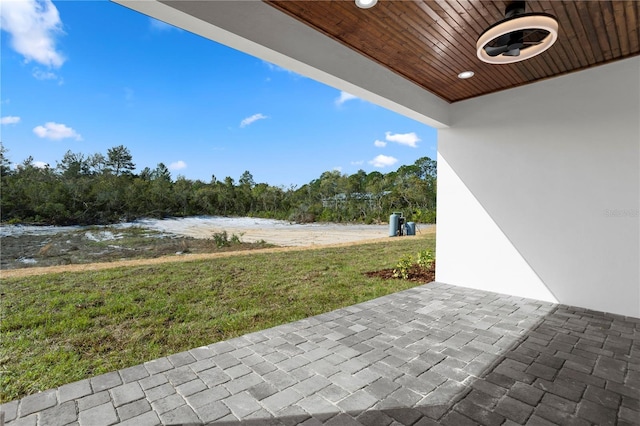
x,y
416,274
105,245
97,248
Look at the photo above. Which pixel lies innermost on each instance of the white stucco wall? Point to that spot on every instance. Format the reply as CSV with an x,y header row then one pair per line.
x,y
539,188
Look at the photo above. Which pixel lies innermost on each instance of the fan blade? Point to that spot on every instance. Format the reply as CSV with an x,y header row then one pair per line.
x,y
502,40
536,31
514,46
516,37
512,52
495,51
532,43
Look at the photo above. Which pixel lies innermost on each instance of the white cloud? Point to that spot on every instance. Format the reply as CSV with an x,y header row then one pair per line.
x,y
357,163
276,68
408,139
178,165
39,74
33,25
56,131
160,26
382,161
380,144
40,164
252,119
345,97
9,119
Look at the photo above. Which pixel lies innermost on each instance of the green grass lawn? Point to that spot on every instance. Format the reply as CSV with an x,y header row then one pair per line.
x,y
59,328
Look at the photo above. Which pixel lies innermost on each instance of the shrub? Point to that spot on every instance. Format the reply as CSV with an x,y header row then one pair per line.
x,y
221,239
425,259
406,264
403,267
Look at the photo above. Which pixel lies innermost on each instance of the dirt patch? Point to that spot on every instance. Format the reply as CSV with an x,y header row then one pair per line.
x,y
95,248
188,257
415,274
278,232
106,244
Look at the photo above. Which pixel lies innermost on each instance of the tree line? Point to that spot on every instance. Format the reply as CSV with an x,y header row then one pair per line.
x,y
100,189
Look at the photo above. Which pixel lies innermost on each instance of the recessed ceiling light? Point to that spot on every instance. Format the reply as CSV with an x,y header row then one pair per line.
x,y
518,37
366,4
466,74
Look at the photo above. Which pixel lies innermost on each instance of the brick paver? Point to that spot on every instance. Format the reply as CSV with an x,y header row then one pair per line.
x,y
434,354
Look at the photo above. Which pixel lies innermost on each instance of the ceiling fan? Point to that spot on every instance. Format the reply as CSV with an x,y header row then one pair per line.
x,y
518,37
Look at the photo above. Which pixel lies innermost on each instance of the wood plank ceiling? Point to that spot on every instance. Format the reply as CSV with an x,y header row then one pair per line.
x,y
431,41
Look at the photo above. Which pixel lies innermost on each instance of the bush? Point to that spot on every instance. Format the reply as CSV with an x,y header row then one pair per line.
x,y
425,259
302,214
406,264
403,267
221,239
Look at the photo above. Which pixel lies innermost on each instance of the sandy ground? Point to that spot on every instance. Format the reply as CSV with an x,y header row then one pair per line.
x,y
28,272
280,233
286,235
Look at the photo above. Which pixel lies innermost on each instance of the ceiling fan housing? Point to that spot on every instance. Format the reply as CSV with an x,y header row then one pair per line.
x,y
518,36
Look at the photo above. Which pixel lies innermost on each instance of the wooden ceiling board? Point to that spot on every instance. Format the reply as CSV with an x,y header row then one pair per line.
x,y
632,11
430,41
621,24
571,52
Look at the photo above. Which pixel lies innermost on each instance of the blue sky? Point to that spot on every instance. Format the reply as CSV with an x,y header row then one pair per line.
x,y
89,75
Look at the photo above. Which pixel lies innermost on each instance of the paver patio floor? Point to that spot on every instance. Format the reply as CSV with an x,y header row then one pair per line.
x,y
434,354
